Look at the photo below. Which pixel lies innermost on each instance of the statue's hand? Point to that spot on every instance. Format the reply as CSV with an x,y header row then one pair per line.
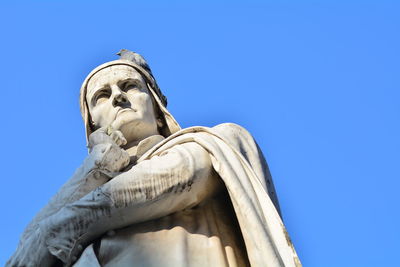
x,y
104,145
32,252
106,135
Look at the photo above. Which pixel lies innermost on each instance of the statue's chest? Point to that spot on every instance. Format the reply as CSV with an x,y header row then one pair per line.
x,y
204,235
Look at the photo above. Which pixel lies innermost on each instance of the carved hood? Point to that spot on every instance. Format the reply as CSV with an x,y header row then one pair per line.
x,y
139,64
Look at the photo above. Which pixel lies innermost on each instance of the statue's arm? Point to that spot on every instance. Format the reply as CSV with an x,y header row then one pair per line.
x,y
105,161
177,179
100,166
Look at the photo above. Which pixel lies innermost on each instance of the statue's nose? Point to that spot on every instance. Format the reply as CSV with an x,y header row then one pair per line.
x,y
119,99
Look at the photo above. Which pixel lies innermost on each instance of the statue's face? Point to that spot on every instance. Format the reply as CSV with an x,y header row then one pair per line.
x,y
118,96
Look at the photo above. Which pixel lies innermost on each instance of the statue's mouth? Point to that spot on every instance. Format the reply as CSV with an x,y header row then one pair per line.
x,y
122,110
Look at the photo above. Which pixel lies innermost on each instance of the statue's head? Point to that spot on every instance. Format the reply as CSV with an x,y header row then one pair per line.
x,y
124,95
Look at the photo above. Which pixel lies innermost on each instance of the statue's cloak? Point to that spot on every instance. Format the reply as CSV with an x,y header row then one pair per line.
x,y
240,164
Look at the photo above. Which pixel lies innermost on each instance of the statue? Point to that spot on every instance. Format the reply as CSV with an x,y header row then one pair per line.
x,y
152,194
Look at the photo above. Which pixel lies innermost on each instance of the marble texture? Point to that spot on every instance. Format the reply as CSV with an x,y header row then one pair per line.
x,y
152,194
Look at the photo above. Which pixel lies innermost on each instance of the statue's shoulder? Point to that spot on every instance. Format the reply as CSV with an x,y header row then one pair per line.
x,y
230,126
232,131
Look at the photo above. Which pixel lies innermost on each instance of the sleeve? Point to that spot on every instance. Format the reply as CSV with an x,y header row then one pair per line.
x,y
95,171
179,178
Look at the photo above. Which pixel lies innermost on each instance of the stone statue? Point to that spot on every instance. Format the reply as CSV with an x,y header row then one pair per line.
x,y
152,194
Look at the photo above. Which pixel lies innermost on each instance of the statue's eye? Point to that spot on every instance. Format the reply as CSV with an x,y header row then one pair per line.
x,y
102,97
129,86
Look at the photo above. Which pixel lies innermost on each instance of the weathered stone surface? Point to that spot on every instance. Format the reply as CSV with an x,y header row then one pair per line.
x,y
152,194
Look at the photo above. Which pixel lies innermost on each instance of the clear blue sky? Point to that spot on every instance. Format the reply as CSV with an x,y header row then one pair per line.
x,y
316,83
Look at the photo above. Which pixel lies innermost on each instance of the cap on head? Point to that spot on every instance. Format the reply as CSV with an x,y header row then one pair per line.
x,y
137,62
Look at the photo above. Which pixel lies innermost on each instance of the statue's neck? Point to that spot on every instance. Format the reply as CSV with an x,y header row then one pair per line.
x,y
138,148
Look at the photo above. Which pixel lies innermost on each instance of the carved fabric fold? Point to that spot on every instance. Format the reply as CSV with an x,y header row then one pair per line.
x,y
241,166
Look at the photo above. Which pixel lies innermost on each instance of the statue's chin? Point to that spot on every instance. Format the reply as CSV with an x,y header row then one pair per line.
x,y
133,129
126,127
133,126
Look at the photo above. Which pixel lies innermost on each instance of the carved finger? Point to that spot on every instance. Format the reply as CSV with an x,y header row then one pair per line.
x,y
99,137
118,138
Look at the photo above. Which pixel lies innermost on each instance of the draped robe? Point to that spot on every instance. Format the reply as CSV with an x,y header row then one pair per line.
x,y
160,218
